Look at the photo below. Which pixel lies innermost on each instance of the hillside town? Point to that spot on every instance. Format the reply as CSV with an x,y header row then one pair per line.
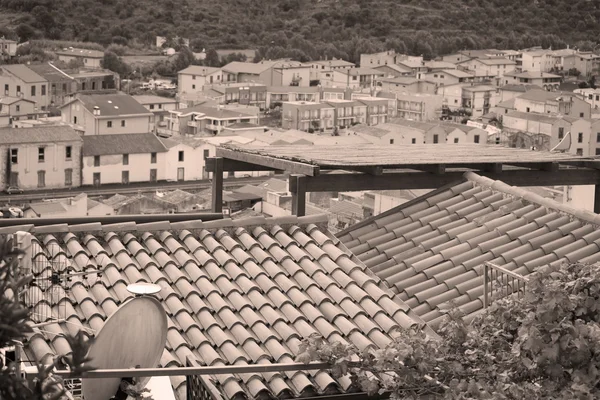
x,y
236,223
81,128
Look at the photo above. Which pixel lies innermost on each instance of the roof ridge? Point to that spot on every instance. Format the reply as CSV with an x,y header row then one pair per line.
x,y
499,186
131,226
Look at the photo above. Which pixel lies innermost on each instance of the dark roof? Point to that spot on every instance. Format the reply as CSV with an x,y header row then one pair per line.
x,y
235,292
199,70
519,88
112,104
74,52
50,73
39,134
431,250
238,196
128,143
22,72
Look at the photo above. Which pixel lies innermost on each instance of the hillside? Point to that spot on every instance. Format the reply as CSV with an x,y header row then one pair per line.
x,y
312,28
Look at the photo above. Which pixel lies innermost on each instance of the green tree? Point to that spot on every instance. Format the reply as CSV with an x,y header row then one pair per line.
x,y
212,58
542,345
114,63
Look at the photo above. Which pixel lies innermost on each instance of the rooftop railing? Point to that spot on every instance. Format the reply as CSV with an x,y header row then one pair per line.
x,y
499,282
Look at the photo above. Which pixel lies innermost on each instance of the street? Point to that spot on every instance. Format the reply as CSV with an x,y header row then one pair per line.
x,y
132,188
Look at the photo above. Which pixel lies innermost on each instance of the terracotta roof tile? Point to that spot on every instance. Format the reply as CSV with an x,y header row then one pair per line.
x,y
233,294
442,239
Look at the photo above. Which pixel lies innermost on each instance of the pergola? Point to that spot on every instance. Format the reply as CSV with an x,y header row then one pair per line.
x,y
335,168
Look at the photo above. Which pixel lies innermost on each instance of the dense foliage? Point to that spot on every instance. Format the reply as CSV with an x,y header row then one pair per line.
x,y
14,326
312,29
544,345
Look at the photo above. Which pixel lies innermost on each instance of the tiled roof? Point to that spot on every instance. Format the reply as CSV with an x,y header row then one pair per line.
x,y
496,61
238,67
423,126
12,100
149,99
510,103
544,95
519,88
51,73
538,117
345,207
24,73
44,208
333,63
363,71
235,292
127,143
457,73
112,104
431,250
41,134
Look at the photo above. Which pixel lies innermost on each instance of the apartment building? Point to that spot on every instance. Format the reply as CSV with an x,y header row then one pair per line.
x,y
47,157
545,80
17,80
122,158
249,94
389,57
419,106
194,78
353,78
490,67
159,106
546,130
61,85
538,61
270,73
88,58
591,96
107,114
307,116
203,120
541,101
407,84
377,110
348,112
478,100
280,94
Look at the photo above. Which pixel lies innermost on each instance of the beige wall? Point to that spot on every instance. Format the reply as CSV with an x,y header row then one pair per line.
x,y
54,164
189,83
111,168
25,89
87,62
76,113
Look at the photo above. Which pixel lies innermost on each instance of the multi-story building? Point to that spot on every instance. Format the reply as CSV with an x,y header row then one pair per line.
x,y
510,91
556,103
547,81
595,137
389,57
477,100
17,80
320,66
414,65
35,158
490,67
393,70
204,121
354,78
449,77
160,107
8,48
307,116
407,84
348,112
18,108
270,73
419,106
591,96
537,61
377,109
330,93
250,94
280,94
194,78
107,114
87,58
546,130
61,85
122,158
96,81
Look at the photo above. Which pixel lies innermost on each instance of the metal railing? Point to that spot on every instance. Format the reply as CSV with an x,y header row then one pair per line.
x,y
499,282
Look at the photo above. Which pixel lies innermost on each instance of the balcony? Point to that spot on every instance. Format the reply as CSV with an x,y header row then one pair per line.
x,y
193,124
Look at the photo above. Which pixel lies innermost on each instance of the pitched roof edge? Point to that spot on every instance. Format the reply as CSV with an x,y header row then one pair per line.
x,y
583,215
394,210
158,225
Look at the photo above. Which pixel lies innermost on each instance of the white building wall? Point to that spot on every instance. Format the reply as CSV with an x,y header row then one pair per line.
x,y
111,168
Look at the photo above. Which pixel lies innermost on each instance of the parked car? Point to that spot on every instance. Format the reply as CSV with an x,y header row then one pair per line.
x,y
13,190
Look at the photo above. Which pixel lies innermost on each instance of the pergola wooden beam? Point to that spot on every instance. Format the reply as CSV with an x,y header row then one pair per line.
x,y
234,166
217,185
293,167
540,166
423,180
297,186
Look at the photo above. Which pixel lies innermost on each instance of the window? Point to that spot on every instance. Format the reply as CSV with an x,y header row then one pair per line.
x,y
41,179
455,140
68,152
125,159
43,90
122,123
580,115
41,154
97,180
413,141
193,86
83,86
597,137
68,177
159,106
436,138
109,124
96,161
152,158
18,107
18,90
153,174
74,120
580,137
64,87
125,177
194,77
579,152
561,133
391,141
6,89
33,90
527,109
181,156
206,154
93,85
14,156
152,106
476,138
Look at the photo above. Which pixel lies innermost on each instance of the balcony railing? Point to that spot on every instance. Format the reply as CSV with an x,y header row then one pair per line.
x,y
193,124
499,282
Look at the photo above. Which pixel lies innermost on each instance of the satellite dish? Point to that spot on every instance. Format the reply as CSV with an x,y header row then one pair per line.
x,y
142,288
134,336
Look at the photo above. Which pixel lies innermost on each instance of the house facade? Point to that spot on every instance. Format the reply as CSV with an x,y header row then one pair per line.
x,y
407,84
60,84
591,96
203,120
307,116
348,112
478,100
540,101
546,131
418,106
88,58
280,94
545,80
107,114
8,48
193,78
17,80
159,106
354,78
40,158
122,159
